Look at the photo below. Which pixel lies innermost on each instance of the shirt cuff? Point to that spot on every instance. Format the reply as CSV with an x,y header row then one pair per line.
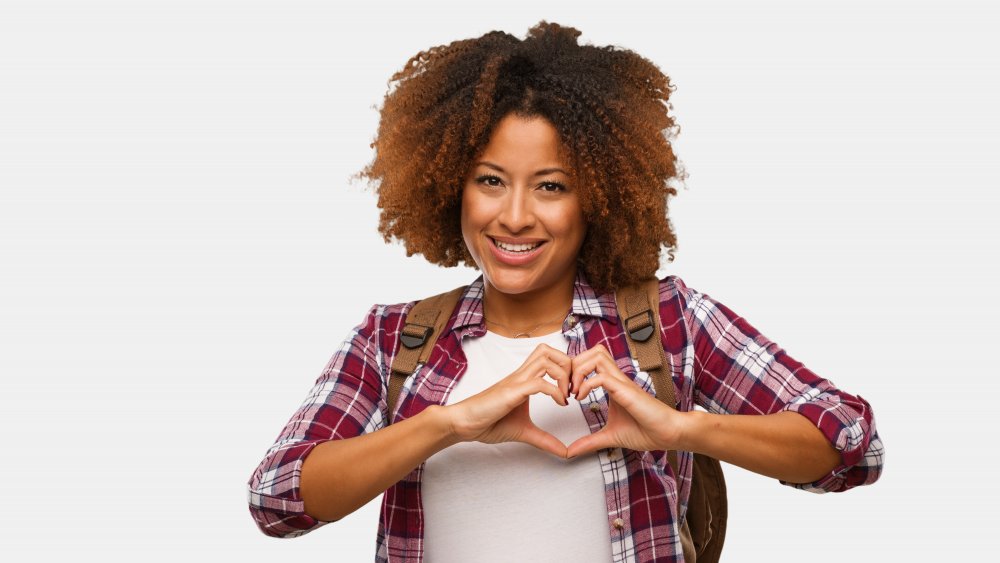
x,y
274,496
845,428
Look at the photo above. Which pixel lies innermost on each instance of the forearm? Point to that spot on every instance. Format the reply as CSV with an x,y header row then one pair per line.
x,y
783,445
340,476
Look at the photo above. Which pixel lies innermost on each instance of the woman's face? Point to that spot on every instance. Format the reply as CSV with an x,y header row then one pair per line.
x,y
521,214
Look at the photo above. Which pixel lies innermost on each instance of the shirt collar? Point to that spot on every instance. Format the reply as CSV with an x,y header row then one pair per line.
x,y
586,303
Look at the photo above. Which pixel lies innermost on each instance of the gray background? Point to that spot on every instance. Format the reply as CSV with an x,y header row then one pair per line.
x,y
182,249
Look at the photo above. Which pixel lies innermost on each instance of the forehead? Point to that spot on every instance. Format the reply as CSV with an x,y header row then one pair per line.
x,y
525,142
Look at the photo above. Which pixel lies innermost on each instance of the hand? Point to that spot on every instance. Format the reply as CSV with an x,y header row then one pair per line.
x,y
636,419
499,413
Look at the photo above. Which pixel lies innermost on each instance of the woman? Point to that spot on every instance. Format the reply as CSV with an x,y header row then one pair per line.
x,y
543,164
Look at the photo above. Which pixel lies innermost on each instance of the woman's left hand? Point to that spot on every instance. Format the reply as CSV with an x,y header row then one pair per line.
x,y
636,419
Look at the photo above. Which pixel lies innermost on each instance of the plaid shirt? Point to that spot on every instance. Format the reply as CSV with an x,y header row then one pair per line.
x,y
718,361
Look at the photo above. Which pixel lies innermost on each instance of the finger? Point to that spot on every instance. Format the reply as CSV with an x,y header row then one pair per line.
x,y
589,444
596,363
604,350
533,386
560,374
543,440
596,350
557,373
563,364
592,354
542,366
544,350
601,351
576,373
611,384
582,367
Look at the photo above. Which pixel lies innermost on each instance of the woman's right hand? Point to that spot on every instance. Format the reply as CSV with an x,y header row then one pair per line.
x,y
499,413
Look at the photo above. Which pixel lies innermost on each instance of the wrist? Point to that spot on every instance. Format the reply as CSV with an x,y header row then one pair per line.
x,y
443,424
692,429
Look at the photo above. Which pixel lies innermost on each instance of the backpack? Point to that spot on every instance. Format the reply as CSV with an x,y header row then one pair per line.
x,y
704,527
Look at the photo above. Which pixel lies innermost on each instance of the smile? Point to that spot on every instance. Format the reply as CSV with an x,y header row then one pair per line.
x,y
518,248
515,254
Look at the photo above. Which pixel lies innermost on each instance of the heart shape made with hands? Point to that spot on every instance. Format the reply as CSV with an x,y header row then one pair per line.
x,y
636,419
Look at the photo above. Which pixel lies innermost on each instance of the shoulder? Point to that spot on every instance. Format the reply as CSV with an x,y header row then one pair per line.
x,y
379,328
390,318
679,301
674,291
674,295
386,318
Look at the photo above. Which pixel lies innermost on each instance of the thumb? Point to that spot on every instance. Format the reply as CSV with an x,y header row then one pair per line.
x,y
590,443
543,440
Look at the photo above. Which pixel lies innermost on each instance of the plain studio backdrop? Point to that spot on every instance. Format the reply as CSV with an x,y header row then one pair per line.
x,y
182,249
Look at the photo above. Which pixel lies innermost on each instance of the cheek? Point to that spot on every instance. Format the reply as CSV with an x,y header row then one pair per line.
x,y
476,212
471,222
569,223
467,205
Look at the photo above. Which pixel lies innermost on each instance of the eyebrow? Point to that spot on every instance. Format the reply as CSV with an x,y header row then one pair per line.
x,y
541,172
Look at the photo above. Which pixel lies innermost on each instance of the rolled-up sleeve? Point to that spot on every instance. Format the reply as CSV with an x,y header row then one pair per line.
x,y
345,402
737,370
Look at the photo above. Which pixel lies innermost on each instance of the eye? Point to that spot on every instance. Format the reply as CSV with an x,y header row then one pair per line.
x,y
553,187
489,180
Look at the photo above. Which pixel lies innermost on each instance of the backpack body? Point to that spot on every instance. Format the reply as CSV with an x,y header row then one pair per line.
x,y
704,526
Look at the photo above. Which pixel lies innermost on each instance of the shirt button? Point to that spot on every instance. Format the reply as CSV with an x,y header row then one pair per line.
x,y
613,453
619,523
572,320
594,407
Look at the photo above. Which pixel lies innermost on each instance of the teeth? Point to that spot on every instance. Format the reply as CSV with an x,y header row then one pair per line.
x,y
516,247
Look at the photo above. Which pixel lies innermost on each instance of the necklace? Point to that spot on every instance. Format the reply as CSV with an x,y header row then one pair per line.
x,y
526,333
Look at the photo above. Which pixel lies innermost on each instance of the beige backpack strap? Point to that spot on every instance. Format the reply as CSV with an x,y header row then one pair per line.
x,y
424,323
639,312
638,309
703,530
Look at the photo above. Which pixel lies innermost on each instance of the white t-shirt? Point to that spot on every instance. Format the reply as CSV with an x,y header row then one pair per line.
x,y
511,501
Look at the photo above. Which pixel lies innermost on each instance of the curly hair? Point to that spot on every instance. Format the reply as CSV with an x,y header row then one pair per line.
x,y
609,105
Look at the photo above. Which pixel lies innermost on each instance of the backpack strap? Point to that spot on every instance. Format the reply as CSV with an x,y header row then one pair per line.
x,y
641,321
703,530
424,323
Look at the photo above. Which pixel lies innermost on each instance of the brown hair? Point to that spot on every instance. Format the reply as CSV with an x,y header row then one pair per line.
x,y
610,106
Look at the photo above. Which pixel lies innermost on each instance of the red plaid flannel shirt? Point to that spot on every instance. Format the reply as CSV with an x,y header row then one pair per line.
x,y
718,361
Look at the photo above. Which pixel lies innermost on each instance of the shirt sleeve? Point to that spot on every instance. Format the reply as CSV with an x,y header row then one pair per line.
x,y
737,370
345,402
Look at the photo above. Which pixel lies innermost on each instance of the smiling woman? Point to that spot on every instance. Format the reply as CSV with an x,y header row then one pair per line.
x,y
607,107
523,225
546,165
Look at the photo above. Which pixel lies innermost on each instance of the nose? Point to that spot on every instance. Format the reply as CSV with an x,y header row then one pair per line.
x,y
517,213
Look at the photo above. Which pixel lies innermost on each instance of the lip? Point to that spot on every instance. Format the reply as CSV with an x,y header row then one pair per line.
x,y
515,259
510,240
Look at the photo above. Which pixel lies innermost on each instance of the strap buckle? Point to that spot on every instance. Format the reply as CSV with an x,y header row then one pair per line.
x,y
640,326
414,335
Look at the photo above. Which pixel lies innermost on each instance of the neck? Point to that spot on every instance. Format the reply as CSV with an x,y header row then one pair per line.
x,y
519,312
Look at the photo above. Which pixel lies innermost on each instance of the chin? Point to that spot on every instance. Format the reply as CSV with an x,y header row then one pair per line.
x,y
512,285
